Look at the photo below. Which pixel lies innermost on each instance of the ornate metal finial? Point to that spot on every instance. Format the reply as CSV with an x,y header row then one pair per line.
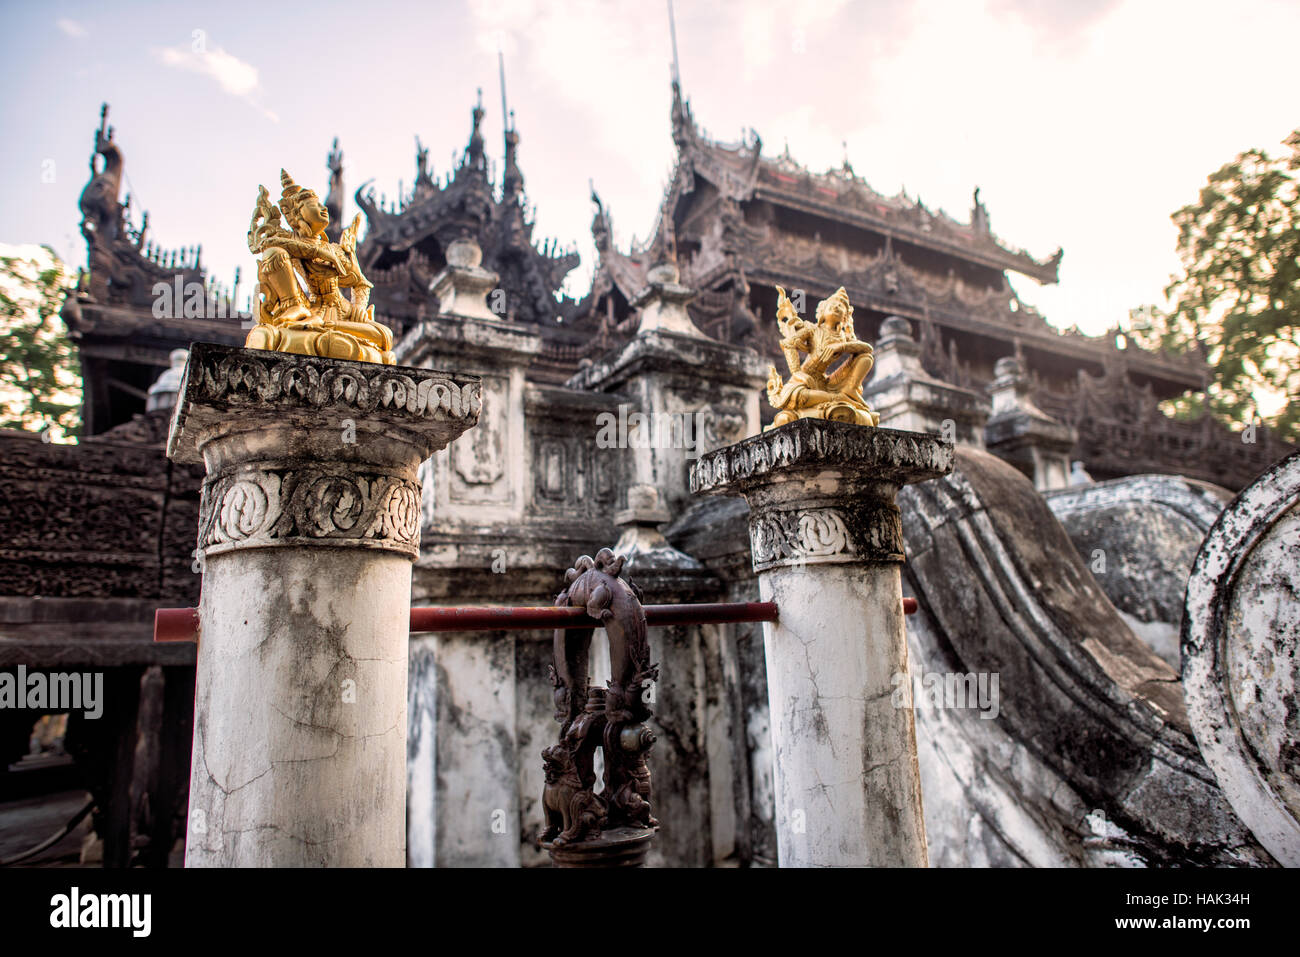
x,y
580,822
979,214
316,320
474,151
813,391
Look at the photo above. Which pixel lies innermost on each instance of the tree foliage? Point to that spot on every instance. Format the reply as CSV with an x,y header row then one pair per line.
x,y
40,381
1238,299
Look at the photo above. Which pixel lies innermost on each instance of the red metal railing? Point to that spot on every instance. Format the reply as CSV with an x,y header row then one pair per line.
x,y
182,624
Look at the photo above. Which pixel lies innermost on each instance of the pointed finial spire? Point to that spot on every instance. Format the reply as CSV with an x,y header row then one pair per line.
x,y
672,32
474,152
506,116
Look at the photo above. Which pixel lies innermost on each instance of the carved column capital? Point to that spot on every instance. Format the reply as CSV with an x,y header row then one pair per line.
x,y
302,450
823,492
871,531
226,391
263,504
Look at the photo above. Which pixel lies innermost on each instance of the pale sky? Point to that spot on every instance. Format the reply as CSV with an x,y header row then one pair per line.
x,y
1084,123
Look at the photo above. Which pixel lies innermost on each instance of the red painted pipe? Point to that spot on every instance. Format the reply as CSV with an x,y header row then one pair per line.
x,y
176,624
182,624
550,616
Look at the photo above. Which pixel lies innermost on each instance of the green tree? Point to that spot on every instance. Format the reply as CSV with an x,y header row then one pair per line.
x,y
40,382
1238,299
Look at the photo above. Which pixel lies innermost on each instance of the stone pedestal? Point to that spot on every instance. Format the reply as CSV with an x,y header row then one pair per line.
x,y
689,395
308,526
663,303
479,479
827,542
907,397
477,500
462,287
1023,434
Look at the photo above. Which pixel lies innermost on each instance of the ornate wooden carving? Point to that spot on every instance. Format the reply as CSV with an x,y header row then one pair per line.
x,y
611,718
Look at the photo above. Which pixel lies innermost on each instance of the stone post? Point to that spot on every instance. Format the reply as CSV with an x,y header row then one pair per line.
x,y
1023,434
308,525
827,543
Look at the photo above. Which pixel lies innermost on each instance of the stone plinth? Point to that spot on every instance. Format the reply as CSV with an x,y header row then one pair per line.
x,y
827,543
478,496
479,479
308,525
688,395
1023,434
462,287
663,303
909,398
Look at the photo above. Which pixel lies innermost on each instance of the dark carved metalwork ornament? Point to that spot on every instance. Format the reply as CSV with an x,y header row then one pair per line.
x,y
612,827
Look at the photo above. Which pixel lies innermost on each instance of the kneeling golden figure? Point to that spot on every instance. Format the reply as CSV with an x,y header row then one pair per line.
x,y
301,308
812,391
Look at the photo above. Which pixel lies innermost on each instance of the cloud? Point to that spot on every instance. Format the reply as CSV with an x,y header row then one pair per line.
x,y
71,27
232,74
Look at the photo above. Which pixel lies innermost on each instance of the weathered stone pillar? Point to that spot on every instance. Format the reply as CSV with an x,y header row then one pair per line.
x,y
827,543
308,525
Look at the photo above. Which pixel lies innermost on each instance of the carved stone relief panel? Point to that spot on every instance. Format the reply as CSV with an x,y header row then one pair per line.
x,y
478,459
570,470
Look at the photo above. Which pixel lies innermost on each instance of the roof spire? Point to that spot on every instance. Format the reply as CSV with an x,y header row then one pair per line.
x,y
683,122
474,152
512,180
506,116
672,32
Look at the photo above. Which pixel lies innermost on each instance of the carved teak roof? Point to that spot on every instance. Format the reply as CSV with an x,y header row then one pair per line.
x,y
124,263
403,248
735,219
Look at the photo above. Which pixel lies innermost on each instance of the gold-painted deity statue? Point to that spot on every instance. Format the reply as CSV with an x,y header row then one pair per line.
x,y
813,391
301,308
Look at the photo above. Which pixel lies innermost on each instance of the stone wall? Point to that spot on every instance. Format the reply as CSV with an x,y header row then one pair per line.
x,y
1138,536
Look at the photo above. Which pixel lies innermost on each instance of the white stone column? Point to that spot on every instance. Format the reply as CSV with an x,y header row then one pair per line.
x,y
308,525
827,543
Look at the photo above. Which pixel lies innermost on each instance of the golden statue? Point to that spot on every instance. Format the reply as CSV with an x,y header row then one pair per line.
x,y
812,392
317,320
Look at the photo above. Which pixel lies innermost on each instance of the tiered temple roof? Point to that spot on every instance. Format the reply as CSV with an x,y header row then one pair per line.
x,y
740,222
123,330
736,223
404,246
